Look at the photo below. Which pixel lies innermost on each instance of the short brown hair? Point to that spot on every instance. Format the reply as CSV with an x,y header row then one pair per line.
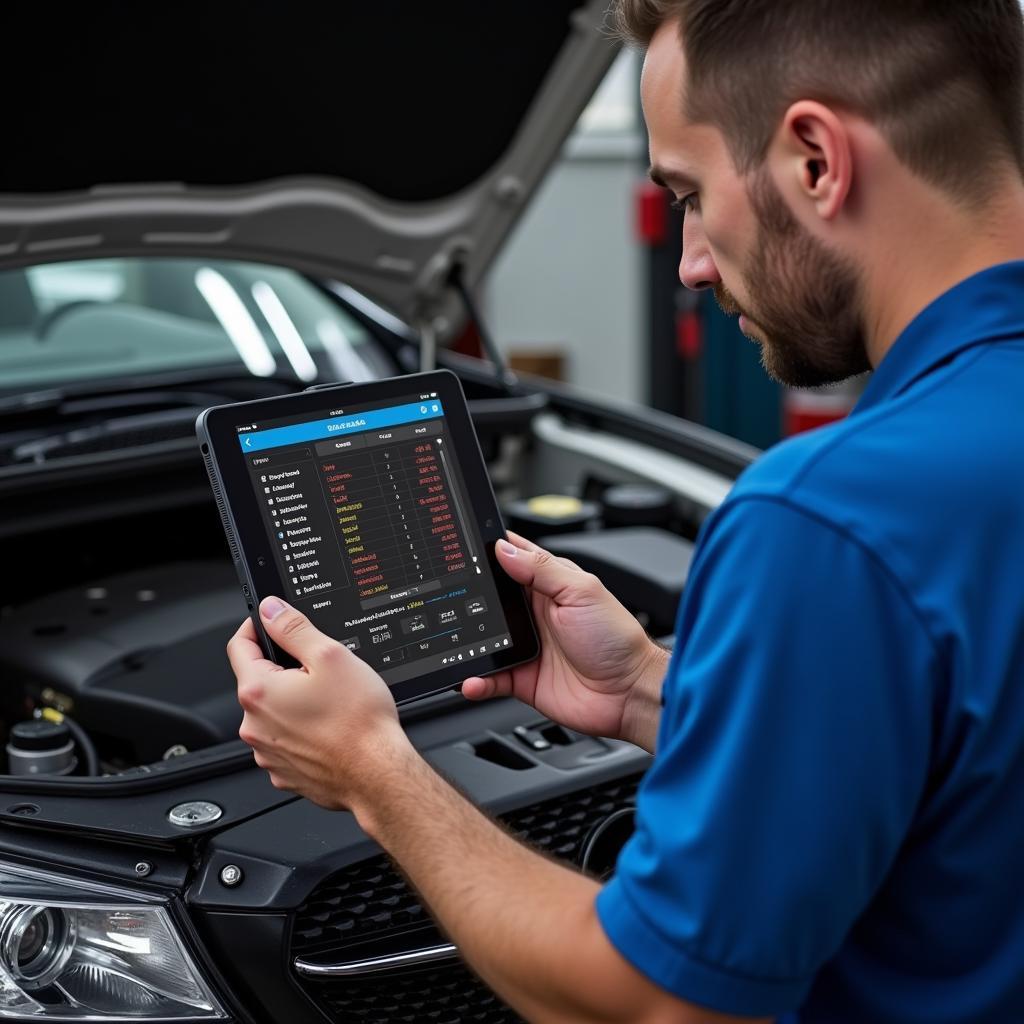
x,y
943,79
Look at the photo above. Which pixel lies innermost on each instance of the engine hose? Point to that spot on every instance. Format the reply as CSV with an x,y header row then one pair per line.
x,y
85,745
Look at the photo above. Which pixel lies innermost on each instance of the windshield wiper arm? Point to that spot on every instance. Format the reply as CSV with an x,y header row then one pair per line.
x,y
32,401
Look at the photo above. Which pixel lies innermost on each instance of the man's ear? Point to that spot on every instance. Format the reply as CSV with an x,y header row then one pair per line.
x,y
814,148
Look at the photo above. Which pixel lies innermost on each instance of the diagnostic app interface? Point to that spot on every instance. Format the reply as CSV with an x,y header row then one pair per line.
x,y
372,530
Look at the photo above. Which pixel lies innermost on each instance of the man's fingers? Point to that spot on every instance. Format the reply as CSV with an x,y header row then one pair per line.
x,y
294,633
521,542
553,577
484,688
528,545
245,653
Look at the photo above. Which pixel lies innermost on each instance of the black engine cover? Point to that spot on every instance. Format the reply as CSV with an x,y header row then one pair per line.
x,y
137,659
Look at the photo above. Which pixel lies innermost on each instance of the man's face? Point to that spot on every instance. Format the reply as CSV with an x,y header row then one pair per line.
x,y
795,296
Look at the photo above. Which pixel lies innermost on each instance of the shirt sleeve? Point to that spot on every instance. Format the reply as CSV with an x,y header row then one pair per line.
x,y
793,749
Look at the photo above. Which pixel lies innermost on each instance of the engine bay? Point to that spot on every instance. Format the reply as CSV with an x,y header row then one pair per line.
x,y
120,594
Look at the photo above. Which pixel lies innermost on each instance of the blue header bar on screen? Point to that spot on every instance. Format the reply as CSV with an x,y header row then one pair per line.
x,y
339,426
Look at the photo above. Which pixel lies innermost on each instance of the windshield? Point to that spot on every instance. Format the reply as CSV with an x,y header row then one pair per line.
x,y
97,320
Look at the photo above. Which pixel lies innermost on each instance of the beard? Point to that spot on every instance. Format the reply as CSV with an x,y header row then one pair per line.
x,y
803,299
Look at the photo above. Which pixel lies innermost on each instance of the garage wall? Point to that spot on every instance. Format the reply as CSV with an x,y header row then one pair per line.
x,y
570,277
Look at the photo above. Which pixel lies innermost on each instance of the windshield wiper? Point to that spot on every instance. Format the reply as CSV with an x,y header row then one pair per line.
x,y
206,384
31,401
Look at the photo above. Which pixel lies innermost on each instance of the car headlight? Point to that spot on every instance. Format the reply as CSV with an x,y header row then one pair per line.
x,y
71,952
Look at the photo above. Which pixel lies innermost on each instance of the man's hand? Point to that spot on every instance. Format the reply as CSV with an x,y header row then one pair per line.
x,y
321,730
598,671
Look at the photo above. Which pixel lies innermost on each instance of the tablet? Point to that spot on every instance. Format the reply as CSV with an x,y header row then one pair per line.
x,y
368,507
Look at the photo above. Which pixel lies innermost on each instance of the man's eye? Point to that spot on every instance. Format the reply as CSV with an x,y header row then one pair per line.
x,y
686,204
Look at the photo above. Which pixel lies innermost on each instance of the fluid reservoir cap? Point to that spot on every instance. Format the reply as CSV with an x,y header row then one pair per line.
x,y
550,513
636,505
555,506
39,735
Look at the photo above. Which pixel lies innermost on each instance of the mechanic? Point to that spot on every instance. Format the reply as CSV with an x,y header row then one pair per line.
x,y
831,829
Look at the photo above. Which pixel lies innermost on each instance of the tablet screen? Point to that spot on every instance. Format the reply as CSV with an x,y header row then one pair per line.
x,y
372,530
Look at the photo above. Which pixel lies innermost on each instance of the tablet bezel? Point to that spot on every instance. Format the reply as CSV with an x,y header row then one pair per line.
x,y
258,572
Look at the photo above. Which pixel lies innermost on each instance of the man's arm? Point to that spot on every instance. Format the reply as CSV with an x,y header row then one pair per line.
x,y
525,923
641,716
528,925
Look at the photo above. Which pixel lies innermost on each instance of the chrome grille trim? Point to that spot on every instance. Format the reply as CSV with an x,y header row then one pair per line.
x,y
354,968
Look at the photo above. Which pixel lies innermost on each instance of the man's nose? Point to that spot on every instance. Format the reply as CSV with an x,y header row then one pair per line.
x,y
697,268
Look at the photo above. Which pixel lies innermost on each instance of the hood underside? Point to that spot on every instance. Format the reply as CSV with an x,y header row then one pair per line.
x,y
381,144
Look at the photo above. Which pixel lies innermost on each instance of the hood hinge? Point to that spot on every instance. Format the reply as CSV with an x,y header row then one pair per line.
x,y
438,310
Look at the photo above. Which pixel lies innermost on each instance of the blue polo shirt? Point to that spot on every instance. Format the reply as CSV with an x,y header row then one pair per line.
x,y
833,825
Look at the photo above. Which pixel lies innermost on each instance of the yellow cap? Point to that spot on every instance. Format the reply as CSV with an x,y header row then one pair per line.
x,y
555,506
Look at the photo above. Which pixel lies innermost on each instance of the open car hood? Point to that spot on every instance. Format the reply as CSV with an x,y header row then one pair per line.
x,y
380,144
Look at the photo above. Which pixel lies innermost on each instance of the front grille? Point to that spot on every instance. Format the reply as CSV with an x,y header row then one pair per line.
x,y
446,995
363,901
368,910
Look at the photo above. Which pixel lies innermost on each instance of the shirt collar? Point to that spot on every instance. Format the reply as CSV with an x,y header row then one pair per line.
x,y
988,306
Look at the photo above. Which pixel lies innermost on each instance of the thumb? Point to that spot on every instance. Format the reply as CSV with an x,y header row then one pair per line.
x,y
293,632
540,570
